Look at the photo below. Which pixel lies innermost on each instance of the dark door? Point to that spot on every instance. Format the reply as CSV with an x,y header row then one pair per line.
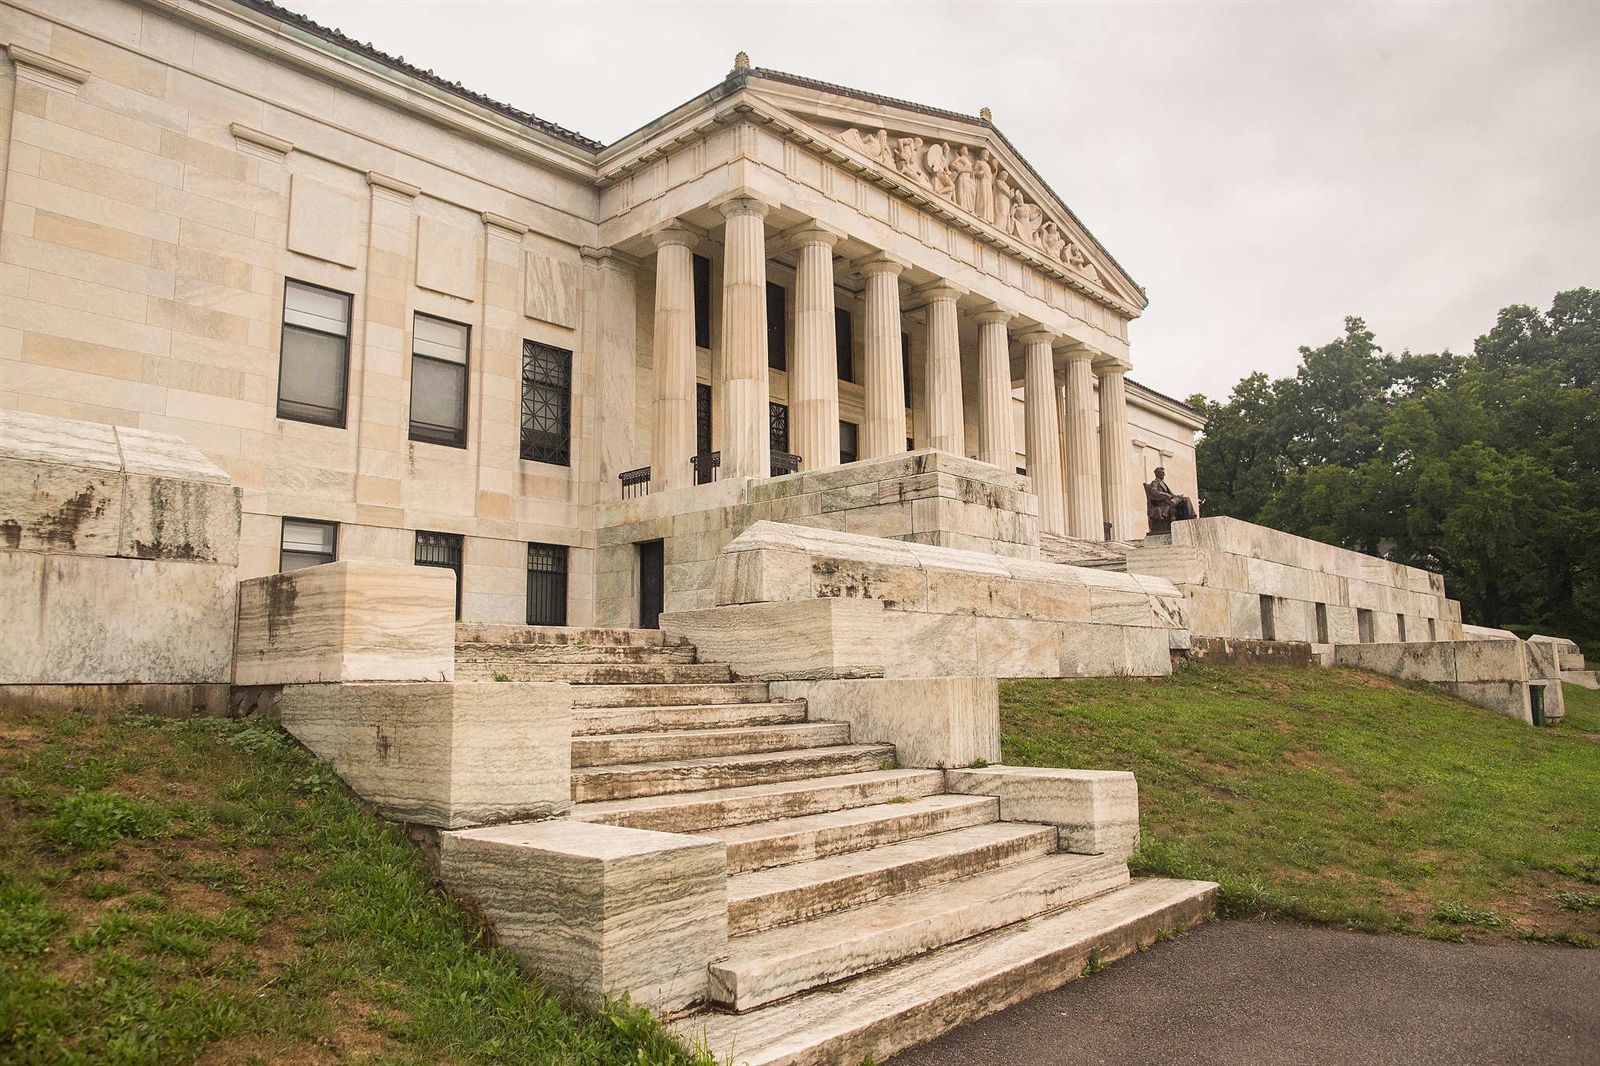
x,y
702,433
650,584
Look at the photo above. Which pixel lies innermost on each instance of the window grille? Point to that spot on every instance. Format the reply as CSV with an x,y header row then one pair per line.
x,y
444,551
546,404
547,584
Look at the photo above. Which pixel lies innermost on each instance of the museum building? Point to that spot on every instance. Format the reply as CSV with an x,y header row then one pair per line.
x,y
413,323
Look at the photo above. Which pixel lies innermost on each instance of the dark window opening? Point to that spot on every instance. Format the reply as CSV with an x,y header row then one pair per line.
x,y
547,584
849,442
702,301
843,344
1402,620
905,367
307,542
1433,630
1269,630
444,551
1364,625
546,404
777,326
314,354
704,471
652,595
1322,623
439,381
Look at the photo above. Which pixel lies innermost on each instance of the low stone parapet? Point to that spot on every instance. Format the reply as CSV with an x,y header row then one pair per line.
x,y
1095,812
1509,677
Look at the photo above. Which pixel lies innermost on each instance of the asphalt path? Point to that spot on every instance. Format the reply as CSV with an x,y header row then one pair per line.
x,y
1247,992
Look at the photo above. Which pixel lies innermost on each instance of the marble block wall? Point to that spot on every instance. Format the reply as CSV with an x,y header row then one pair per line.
x,y
442,754
600,911
931,721
347,621
1234,573
796,602
118,555
924,497
1499,675
1096,812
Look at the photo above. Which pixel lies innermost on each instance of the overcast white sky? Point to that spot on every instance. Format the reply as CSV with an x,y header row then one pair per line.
x,y
1263,170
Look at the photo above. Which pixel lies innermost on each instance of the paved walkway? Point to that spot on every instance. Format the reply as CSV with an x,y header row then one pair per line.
x,y
1239,993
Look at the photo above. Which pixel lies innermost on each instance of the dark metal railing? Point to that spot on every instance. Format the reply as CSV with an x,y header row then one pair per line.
x,y
635,483
706,467
784,463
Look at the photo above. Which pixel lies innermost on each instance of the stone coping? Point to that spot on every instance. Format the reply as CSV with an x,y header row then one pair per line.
x,y
1238,537
97,446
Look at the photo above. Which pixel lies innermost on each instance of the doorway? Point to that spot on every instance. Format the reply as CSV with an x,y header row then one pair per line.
x,y
651,584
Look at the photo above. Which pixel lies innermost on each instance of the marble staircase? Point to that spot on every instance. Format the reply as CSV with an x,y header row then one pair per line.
x,y
868,909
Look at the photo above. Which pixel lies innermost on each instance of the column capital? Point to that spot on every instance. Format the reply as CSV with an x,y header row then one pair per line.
x,y
812,232
1075,352
675,231
742,203
880,263
993,312
1109,368
1038,335
935,291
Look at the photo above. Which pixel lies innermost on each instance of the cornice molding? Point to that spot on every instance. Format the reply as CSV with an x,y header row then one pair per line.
x,y
46,70
261,144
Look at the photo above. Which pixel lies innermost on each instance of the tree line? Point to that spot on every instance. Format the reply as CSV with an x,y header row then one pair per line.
x,y
1484,467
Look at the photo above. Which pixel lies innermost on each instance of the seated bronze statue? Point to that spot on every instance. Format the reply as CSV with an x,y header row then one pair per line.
x,y
1163,506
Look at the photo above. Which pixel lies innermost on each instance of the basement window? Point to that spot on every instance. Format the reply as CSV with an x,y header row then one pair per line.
x,y
1402,620
547,584
443,550
1268,630
1364,625
1322,623
307,542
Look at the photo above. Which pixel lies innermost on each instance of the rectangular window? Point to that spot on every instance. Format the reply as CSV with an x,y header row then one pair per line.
x,y
1268,629
905,367
849,442
1322,623
844,344
777,326
1402,620
547,584
314,357
439,381
444,551
1433,630
702,301
1364,625
307,542
546,404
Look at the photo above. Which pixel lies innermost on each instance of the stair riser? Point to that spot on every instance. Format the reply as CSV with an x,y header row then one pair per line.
x,y
839,840
808,901
497,633
599,673
721,812
596,721
611,751
625,695
573,654
609,784
744,988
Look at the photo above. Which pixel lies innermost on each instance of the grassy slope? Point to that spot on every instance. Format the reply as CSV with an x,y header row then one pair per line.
x,y
1341,797
1583,710
205,889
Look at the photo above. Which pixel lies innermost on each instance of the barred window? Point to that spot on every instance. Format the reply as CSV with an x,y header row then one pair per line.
x,y
547,584
439,381
314,356
777,326
443,550
307,542
702,301
546,404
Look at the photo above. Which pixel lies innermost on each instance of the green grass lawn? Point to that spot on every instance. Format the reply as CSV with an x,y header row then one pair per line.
x,y
172,891
1334,796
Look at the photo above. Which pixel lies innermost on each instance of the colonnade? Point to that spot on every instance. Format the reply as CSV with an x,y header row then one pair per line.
x,y
1081,476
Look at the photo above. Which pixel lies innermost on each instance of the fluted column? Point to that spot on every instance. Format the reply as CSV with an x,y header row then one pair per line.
x,y
946,413
673,441
1083,450
1039,427
884,430
995,443
746,437
1116,453
814,368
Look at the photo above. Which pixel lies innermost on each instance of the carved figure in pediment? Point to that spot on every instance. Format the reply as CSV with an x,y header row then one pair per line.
x,y
1052,240
874,146
1004,195
983,171
966,184
939,170
908,152
1074,258
1025,219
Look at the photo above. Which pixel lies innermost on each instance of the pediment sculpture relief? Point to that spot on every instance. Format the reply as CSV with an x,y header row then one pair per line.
x,y
973,180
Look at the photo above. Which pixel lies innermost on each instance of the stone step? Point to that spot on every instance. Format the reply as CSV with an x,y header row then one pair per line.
x,y
724,771
599,673
777,963
762,845
669,695
591,721
696,812
497,654
766,898
900,1006
614,748
496,633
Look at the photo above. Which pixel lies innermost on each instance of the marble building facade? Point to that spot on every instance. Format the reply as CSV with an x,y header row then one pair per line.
x,y
412,323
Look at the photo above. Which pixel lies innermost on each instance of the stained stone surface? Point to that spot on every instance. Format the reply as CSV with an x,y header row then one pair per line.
x,y
347,621
931,721
1493,673
442,754
599,910
1095,811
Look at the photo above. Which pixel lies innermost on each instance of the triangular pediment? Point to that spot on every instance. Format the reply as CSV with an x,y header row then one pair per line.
x,y
966,164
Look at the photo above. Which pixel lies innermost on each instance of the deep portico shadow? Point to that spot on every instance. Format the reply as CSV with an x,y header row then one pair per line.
x,y
1245,992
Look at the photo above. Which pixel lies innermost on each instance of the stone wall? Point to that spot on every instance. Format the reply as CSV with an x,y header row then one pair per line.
x,y
118,555
1240,579
1504,676
921,497
803,602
